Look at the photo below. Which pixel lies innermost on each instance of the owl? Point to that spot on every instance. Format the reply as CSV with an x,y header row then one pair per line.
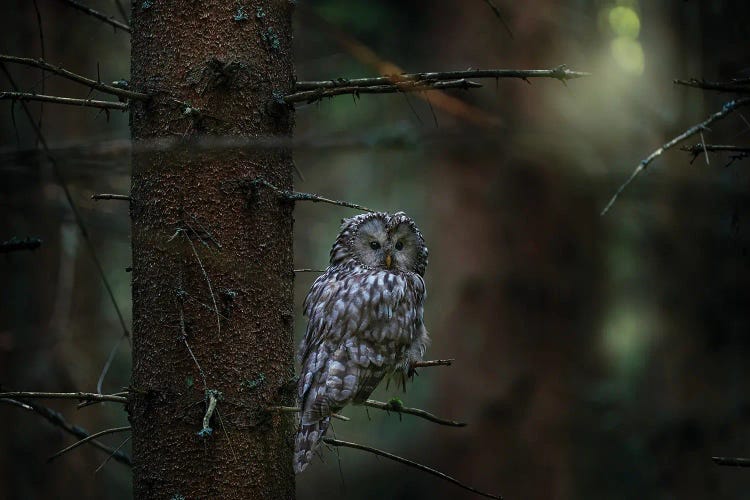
x,y
365,321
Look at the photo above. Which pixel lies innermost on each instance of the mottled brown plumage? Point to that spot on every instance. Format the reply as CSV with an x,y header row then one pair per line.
x,y
365,320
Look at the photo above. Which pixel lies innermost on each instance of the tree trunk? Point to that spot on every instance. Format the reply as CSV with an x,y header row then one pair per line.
x,y
212,266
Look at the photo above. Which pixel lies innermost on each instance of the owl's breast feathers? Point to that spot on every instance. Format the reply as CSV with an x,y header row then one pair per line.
x,y
362,325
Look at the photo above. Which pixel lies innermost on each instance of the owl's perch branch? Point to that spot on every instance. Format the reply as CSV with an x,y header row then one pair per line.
x,y
14,245
108,196
57,420
69,75
725,111
738,87
297,196
87,439
407,462
295,409
309,270
79,396
433,362
87,103
102,17
732,461
398,408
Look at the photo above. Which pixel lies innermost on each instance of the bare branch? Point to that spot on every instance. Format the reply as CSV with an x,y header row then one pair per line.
x,y
308,270
733,86
297,196
400,408
106,196
728,108
89,103
410,463
434,362
87,439
732,461
387,88
102,17
560,73
57,70
740,152
80,396
14,244
57,420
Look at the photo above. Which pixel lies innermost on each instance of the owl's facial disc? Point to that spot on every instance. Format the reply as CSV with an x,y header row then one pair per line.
x,y
377,244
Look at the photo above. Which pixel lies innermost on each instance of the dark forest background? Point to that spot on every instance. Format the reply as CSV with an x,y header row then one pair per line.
x,y
596,357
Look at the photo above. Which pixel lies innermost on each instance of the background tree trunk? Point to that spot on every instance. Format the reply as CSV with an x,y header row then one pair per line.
x,y
225,279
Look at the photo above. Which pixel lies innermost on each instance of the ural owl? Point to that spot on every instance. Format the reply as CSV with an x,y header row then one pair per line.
x,y
364,320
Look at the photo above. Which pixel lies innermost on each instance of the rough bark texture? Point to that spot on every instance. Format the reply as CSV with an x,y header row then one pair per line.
x,y
193,224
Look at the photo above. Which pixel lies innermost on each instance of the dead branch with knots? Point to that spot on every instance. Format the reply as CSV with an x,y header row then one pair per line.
x,y
79,396
397,406
74,77
109,196
310,91
69,101
297,196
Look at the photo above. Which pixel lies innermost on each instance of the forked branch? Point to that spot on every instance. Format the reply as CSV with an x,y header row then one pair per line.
x,y
725,111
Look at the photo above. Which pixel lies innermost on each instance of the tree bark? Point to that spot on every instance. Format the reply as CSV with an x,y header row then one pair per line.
x,y
212,264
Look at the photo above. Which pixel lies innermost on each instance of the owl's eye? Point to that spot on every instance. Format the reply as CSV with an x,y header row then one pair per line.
x,y
374,245
399,245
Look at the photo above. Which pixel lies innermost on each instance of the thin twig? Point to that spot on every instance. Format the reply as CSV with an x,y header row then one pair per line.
x,y
116,450
80,396
732,86
87,439
560,73
102,17
410,463
496,10
88,103
208,281
297,196
57,420
14,244
434,362
728,108
183,335
399,408
308,270
108,363
732,461
387,88
57,70
107,196
295,409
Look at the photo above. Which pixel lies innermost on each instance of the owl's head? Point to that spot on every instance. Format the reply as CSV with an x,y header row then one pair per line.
x,y
381,241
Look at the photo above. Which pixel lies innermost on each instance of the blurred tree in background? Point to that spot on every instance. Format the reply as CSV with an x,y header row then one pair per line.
x,y
596,357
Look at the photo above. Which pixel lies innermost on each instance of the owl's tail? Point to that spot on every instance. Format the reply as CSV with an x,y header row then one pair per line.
x,y
307,441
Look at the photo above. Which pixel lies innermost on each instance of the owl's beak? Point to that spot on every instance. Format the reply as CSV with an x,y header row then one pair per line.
x,y
388,261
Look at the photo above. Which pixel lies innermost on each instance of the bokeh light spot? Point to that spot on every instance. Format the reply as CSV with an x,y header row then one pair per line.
x,y
624,21
628,54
